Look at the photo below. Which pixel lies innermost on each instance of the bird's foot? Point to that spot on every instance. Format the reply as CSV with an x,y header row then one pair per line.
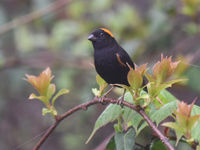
x,y
101,100
120,101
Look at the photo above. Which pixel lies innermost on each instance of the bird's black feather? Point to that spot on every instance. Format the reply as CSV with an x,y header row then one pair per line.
x,y
110,58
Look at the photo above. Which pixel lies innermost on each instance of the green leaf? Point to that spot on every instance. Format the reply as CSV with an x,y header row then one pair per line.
x,y
165,111
135,121
157,145
193,121
102,84
42,98
166,96
52,111
119,141
196,132
117,127
111,144
172,125
51,90
134,79
149,77
128,89
154,89
125,141
161,87
133,116
175,81
196,128
127,111
96,92
45,111
182,145
100,81
178,129
128,114
143,96
141,127
129,139
61,92
178,136
128,97
110,114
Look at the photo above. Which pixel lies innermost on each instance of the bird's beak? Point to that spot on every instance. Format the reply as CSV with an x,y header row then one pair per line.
x,y
92,38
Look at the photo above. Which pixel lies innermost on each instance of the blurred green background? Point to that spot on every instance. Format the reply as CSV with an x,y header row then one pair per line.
x,y
35,34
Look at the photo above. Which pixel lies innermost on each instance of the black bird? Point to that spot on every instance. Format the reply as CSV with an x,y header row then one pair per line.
x,y
110,58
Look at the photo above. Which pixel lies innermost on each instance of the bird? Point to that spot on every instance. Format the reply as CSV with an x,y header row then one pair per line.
x,y
111,61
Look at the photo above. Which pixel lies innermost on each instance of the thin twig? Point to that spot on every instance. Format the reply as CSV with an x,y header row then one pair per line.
x,y
107,100
60,118
46,135
32,16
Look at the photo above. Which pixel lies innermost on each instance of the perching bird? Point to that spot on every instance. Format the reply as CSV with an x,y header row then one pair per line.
x,y
110,58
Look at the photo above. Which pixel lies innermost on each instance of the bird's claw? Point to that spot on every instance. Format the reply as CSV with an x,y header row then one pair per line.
x,y
101,100
119,102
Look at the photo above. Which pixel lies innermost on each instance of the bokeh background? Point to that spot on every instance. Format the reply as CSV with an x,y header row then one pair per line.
x,y
35,34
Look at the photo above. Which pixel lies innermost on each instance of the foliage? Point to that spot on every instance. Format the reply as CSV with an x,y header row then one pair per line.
x,y
110,114
125,136
46,90
132,118
157,145
59,39
184,121
162,71
125,141
102,85
158,103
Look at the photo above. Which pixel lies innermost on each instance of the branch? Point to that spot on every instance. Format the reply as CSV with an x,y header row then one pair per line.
x,y
60,118
95,100
32,16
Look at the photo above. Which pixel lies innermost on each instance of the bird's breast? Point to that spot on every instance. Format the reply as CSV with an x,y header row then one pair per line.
x,y
105,59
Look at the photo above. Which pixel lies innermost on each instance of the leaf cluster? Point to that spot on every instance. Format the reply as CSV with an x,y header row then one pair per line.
x,y
157,101
46,91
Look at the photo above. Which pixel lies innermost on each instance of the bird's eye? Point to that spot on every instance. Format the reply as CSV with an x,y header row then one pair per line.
x,y
101,34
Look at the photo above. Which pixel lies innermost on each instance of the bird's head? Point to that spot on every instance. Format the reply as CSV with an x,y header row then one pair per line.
x,y
102,38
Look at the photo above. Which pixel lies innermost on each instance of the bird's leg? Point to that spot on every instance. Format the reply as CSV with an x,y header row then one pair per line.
x,y
159,100
104,96
121,99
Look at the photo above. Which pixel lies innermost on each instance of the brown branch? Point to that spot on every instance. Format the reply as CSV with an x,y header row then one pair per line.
x,y
32,16
84,106
46,135
60,118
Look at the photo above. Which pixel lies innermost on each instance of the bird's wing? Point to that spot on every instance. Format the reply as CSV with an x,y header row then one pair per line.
x,y
122,63
123,58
